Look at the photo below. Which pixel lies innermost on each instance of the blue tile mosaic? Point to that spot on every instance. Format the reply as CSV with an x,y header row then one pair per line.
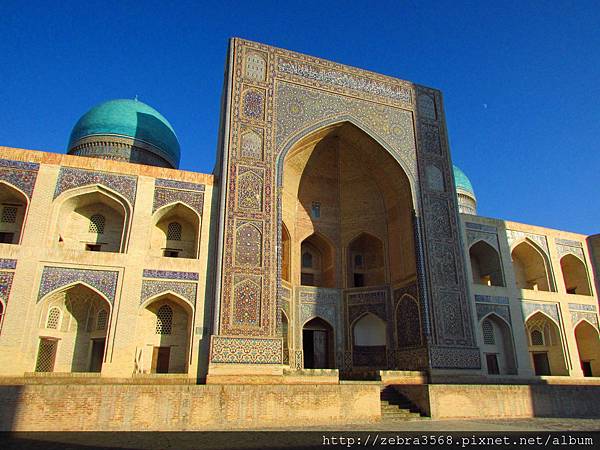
x,y
54,278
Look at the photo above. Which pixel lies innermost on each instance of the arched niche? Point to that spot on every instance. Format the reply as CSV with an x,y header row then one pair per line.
x,y
285,334
339,181
588,347
369,342
408,322
317,262
575,275
175,232
318,344
164,335
78,213
531,266
13,208
497,346
366,261
72,329
485,264
545,345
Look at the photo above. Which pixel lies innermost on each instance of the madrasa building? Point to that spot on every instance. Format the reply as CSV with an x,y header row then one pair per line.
x,y
334,243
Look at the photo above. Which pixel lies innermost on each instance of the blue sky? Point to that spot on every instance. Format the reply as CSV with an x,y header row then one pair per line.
x,y
521,79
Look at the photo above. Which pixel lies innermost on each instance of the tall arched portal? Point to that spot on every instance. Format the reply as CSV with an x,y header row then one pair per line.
x,y
348,208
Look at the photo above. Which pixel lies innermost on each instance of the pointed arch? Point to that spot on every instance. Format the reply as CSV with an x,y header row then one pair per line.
x,y
366,261
531,266
14,204
318,343
588,347
71,214
286,248
497,345
547,356
408,322
190,222
486,265
174,296
71,285
575,275
321,270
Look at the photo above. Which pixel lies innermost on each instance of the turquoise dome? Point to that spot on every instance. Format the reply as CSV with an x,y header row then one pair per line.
x,y
129,118
461,181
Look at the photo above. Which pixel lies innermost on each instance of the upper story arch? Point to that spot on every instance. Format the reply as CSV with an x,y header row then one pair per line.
x,y
14,204
486,265
531,267
175,231
575,275
77,213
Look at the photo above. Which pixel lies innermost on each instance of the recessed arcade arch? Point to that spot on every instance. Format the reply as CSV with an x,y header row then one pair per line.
x,y
497,345
175,231
366,261
318,344
545,345
91,218
485,264
531,266
13,208
163,334
72,330
588,346
575,275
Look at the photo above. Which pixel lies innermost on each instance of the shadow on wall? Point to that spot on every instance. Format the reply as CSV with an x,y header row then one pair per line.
x,y
578,401
10,396
160,132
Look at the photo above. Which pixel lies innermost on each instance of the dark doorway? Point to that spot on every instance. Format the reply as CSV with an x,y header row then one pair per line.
x,y
160,359
317,344
586,367
97,355
492,364
541,364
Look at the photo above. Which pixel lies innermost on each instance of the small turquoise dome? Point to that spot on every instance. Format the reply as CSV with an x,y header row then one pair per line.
x,y
132,119
461,181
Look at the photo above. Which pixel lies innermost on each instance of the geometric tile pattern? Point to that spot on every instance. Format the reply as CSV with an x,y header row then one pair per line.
x,y
232,350
6,279
8,263
152,288
550,309
105,281
69,178
170,274
20,174
167,192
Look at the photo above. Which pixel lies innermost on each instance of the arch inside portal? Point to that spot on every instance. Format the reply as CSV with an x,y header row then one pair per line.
x,y
369,342
340,183
588,346
545,345
318,344
532,268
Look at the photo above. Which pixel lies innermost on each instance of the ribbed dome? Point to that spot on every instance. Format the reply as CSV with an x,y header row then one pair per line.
x,y
462,181
130,119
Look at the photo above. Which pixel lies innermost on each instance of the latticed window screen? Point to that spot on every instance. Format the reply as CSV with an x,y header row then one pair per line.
x,y
9,214
46,355
174,231
537,338
53,318
97,222
102,319
164,320
488,333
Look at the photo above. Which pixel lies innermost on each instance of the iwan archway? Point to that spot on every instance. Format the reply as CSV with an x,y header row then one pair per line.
x,y
347,214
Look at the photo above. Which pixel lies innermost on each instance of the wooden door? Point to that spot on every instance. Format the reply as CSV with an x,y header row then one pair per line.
x,y
160,359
